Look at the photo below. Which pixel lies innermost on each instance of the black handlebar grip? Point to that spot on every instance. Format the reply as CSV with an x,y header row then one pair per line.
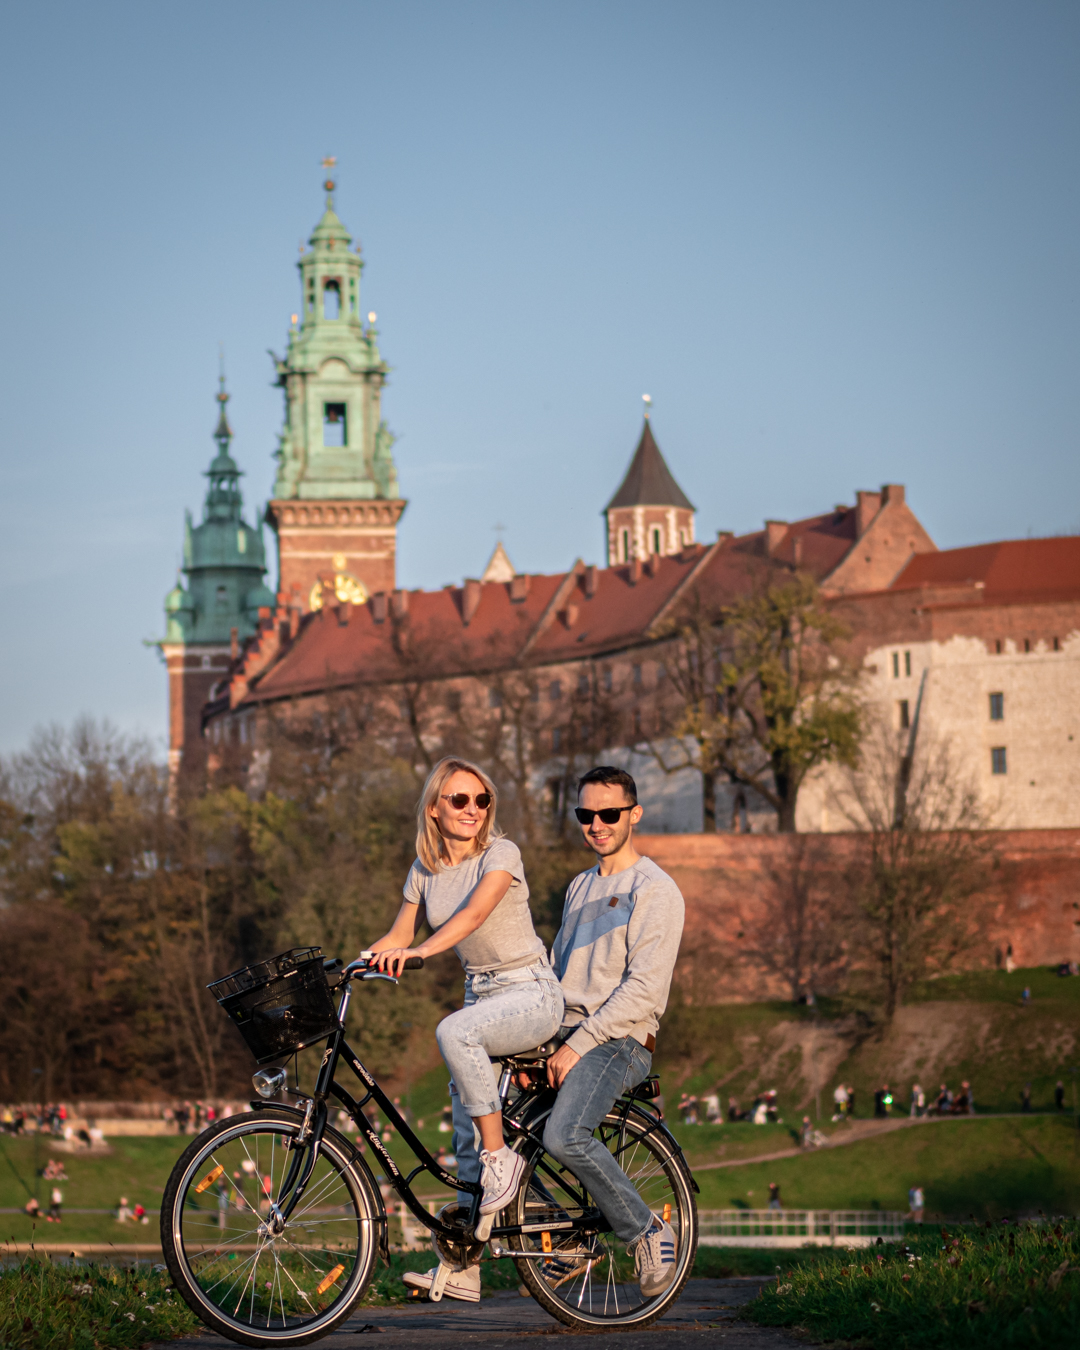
x,y
414,963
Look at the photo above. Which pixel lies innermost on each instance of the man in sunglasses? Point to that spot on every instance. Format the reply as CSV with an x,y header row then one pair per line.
x,y
614,954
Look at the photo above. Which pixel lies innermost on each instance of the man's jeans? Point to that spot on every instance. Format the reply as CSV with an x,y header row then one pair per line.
x,y
504,1012
588,1093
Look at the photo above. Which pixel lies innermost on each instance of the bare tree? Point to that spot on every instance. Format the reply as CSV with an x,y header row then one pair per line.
x,y
926,851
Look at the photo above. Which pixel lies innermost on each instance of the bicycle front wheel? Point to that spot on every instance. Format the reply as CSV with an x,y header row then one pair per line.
x,y
587,1279
235,1270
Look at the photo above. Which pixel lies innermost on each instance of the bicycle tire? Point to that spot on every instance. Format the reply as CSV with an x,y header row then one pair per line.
x,y
315,1282
607,1301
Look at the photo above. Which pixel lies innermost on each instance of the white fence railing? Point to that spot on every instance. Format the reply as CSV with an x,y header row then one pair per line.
x,y
799,1227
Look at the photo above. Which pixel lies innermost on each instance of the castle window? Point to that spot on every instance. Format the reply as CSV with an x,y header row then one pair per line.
x,y
335,431
997,707
556,739
608,680
997,759
332,299
453,701
555,691
583,684
624,546
637,677
1027,644
905,715
657,541
222,597
896,665
1057,644
907,663
997,647
495,698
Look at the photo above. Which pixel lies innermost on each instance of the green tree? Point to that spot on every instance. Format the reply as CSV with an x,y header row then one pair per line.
x,y
758,692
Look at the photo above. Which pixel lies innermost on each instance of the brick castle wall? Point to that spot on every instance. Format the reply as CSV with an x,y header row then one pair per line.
x,y
730,881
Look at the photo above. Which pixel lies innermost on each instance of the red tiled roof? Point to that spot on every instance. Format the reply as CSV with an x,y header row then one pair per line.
x,y
824,542
1014,571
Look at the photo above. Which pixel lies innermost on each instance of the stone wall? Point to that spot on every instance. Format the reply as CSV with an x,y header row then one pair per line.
x,y
733,884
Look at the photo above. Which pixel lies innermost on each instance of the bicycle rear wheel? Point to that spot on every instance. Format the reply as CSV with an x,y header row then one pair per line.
x,y
243,1279
587,1280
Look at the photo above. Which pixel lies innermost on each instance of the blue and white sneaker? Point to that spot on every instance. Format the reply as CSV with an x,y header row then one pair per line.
x,y
654,1258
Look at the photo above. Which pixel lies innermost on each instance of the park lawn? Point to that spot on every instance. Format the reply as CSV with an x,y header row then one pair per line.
x,y
982,1167
1000,1287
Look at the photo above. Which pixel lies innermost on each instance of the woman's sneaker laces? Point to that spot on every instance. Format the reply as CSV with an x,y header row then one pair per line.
x,y
654,1258
500,1177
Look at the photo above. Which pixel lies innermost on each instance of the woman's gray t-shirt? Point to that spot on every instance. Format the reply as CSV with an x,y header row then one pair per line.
x,y
506,939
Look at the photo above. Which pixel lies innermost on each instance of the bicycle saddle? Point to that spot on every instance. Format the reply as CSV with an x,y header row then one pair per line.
x,y
541,1052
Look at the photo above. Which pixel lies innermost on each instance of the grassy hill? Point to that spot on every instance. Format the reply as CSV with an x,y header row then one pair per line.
x,y
971,1026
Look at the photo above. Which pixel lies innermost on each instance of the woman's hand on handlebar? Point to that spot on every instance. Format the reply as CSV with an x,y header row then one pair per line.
x,y
391,960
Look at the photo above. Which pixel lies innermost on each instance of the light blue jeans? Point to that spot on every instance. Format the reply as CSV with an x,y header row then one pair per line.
x,y
504,1013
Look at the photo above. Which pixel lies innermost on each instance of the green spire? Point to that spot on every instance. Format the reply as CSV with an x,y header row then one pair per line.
x,y
224,558
334,444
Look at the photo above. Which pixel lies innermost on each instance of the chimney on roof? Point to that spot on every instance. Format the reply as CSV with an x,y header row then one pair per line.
x,y
590,582
344,614
570,615
379,606
234,643
775,530
399,604
470,599
519,588
635,570
724,536
294,621
264,615
867,505
893,494
797,550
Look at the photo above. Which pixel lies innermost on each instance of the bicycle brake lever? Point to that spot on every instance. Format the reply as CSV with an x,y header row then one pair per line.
x,y
378,975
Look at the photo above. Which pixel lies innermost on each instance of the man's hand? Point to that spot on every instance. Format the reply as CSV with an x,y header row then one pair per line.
x,y
560,1064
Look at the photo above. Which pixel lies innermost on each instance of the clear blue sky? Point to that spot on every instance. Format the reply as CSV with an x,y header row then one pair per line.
x,y
836,242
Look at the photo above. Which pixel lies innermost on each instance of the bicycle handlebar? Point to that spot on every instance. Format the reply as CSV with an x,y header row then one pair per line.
x,y
365,963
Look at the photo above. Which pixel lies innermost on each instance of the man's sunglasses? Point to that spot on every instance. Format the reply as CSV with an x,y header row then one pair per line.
x,y
609,815
460,800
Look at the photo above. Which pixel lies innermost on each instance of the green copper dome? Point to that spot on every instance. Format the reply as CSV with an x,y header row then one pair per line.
x,y
224,559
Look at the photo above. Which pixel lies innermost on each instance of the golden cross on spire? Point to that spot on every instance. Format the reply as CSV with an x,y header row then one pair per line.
x,y
329,162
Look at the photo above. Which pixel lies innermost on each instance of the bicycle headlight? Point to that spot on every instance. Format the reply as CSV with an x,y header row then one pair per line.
x,y
269,1082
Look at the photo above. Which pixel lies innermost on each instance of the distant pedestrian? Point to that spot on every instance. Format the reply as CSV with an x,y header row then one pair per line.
x,y
840,1101
774,1195
1010,965
56,1200
916,1203
807,1137
1025,997
712,1109
1025,1098
918,1101
733,1108
123,1211
882,1101
1059,1095
32,1208
849,1110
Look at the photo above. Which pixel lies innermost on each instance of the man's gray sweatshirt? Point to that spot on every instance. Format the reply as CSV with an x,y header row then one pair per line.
x,y
615,952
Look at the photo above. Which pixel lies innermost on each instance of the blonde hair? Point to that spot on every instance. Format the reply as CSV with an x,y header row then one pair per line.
x,y
429,840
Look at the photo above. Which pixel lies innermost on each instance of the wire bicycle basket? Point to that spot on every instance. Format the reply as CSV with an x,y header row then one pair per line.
x,y
281,1005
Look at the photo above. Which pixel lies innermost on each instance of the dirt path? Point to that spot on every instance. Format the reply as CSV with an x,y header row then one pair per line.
x,y
705,1315
859,1130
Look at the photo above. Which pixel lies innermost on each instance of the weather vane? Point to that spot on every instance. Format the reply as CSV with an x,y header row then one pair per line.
x,y
328,163
647,400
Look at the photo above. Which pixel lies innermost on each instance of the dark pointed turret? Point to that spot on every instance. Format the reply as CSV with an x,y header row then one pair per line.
x,y
649,513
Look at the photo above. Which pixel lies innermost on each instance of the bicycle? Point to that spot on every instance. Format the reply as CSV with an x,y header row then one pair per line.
x,y
271,1222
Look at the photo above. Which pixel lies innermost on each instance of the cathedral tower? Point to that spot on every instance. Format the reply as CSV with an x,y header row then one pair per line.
x,y
336,505
650,513
224,563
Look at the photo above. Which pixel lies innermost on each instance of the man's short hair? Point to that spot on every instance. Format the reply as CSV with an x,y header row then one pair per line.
x,y
608,774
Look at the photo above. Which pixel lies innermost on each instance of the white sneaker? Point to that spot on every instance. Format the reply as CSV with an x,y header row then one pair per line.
x,y
463,1284
654,1258
500,1176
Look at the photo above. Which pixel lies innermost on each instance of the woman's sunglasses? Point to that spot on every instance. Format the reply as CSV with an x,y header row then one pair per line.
x,y
609,815
460,800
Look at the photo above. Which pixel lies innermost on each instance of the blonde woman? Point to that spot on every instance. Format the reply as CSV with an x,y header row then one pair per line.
x,y
468,882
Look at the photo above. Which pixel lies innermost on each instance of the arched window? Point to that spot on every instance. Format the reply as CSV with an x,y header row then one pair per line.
x,y
657,544
332,299
624,546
